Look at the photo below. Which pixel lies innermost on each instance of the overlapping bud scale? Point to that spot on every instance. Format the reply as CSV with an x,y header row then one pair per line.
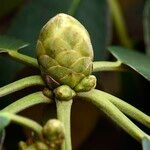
x,y
64,50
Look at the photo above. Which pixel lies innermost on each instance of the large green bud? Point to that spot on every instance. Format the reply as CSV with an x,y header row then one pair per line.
x,y
65,52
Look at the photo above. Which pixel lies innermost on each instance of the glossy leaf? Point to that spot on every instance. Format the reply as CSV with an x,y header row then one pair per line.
x,y
146,23
137,61
146,144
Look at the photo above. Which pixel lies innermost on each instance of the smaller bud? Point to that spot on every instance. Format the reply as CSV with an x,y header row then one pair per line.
x,y
53,132
64,92
48,93
86,84
22,145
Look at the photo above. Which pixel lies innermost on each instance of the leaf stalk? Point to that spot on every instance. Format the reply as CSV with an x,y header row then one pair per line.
x,y
63,114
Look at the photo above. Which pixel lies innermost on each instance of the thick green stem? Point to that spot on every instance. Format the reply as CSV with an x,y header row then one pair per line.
x,y
27,101
27,60
107,66
114,113
21,84
119,23
23,121
74,6
127,109
63,114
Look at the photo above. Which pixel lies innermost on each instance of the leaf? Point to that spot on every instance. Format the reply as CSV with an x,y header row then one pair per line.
x,y
2,138
145,144
9,44
4,121
146,23
137,61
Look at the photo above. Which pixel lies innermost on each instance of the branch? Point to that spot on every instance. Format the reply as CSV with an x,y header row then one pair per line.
x,y
25,102
114,113
107,66
23,121
21,84
63,114
127,109
27,60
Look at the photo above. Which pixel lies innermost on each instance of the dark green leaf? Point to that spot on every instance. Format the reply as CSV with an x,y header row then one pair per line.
x,y
135,60
146,23
146,144
9,43
4,121
2,138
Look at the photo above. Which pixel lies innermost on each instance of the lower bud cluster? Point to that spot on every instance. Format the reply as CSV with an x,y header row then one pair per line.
x,y
52,137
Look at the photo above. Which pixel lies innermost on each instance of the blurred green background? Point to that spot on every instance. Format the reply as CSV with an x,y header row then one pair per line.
x,y
92,130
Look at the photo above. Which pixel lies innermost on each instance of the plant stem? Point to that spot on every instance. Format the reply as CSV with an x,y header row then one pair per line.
x,y
119,23
27,60
63,114
127,109
74,6
107,66
21,84
114,113
23,121
27,101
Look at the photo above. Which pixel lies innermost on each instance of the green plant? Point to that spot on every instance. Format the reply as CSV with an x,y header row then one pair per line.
x,y
65,56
